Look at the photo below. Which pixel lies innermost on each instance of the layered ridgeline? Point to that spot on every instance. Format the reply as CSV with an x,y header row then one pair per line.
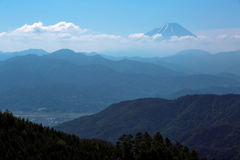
x,y
20,139
7,55
208,123
65,80
75,82
199,62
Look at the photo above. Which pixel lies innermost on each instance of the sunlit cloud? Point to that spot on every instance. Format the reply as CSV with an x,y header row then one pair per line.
x,y
223,36
236,36
176,38
69,35
157,36
2,34
202,37
138,36
59,27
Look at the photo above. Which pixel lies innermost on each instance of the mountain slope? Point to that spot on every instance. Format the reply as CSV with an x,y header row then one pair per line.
x,y
200,62
211,90
169,30
123,66
31,82
7,55
189,115
20,139
196,61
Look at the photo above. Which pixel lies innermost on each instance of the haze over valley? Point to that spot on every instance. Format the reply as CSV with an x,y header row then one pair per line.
x,y
70,82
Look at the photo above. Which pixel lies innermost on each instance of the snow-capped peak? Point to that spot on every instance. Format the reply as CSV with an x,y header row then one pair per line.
x,y
169,30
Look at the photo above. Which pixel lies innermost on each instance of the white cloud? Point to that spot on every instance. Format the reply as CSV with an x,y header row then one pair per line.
x,y
202,37
138,36
176,38
2,34
157,36
69,35
101,36
222,36
59,27
236,36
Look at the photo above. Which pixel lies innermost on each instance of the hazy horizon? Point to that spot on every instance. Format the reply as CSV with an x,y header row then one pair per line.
x,y
119,28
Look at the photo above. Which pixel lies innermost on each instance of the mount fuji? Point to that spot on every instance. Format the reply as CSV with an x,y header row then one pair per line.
x,y
169,30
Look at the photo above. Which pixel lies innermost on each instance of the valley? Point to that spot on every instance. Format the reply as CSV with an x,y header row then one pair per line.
x,y
48,119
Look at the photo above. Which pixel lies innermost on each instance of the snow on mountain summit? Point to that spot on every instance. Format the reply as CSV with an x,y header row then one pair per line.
x,y
169,30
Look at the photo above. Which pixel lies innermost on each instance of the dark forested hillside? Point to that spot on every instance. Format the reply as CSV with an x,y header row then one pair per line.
x,y
210,90
209,123
20,139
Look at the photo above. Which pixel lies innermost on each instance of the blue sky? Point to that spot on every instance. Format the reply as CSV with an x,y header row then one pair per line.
x,y
122,16
118,18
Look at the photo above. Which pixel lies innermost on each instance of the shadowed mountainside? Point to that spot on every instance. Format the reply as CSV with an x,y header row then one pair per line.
x,y
20,139
209,123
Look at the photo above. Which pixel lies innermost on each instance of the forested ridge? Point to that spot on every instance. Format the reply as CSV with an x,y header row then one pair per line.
x,y
208,123
21,139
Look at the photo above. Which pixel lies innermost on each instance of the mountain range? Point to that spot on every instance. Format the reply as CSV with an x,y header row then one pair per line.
x,y
7,55
208,123
76,82
198,62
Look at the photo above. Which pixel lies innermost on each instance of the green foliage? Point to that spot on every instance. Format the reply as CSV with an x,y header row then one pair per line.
x,y
145,147
208,123
20,139
23,140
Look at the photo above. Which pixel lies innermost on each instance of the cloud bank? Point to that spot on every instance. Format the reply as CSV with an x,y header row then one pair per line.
x,y
69,35
59,27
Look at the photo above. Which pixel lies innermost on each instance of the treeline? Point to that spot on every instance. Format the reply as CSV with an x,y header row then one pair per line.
x,y
145,147
24,140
